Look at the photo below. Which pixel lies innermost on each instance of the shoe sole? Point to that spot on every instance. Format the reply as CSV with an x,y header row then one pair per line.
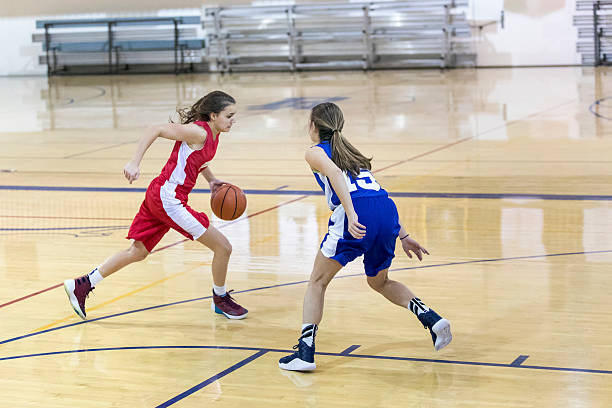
x,y
443,333
298,365
215,309
69,288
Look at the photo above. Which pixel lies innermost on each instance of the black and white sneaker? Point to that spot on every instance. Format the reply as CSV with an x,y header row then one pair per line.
x,y
439,328
303,358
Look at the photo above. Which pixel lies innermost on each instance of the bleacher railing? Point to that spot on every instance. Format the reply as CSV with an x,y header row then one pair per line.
x,y
594,22
425,33
69,47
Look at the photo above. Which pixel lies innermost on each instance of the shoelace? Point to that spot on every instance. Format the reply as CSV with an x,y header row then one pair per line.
x,y
81,281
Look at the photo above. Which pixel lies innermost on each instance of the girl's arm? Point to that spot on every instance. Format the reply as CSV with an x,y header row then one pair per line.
x,y
409,244
318,160
192,134
213,182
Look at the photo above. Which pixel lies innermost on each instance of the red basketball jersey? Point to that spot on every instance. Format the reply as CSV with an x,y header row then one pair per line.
x,y
180,173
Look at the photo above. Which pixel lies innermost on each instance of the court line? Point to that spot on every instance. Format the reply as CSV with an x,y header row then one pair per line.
x,y
30,295
164,247
214,378
140,289
401,194
287,284
320,353
65,218
519,360
110,227
598,103
350,349
501,259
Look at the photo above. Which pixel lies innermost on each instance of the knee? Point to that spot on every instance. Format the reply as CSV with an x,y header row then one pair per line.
x,y
224,249
376,284
320,280
138,253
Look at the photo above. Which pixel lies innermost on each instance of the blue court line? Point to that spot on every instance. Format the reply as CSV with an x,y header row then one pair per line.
x,y
212,379
501,259
287,284
350,349
284,351
519,360
65,228
488,196
597,103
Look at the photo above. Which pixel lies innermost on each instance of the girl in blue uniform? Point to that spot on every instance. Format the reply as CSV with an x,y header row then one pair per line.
x,y
364,222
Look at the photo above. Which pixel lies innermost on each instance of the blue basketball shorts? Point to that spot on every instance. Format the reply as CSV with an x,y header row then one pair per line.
x,y
379,216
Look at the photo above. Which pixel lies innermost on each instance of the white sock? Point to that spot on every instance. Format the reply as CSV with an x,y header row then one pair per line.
x,y
219,290
308,333
95,277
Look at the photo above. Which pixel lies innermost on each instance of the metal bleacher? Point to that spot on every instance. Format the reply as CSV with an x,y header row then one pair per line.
x,y
111,45
368,35
594,22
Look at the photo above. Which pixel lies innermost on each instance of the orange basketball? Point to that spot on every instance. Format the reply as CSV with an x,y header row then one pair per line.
x,y
228,202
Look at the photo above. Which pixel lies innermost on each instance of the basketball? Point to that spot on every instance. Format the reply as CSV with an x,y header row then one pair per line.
x,y
228,202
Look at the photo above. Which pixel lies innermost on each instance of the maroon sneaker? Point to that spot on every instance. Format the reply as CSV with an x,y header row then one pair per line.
x,y
77,290
226,306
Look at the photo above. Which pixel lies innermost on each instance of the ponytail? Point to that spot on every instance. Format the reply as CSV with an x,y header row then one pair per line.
x,y
329,121
346,156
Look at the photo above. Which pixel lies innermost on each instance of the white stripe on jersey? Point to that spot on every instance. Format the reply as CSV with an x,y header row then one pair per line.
x,y
178,213
178,174
335,233
328,190
172,205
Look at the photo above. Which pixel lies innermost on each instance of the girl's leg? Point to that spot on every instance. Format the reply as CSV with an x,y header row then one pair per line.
x,y
222,302
222,249
394,291
323,271
136,252
399,294
78,289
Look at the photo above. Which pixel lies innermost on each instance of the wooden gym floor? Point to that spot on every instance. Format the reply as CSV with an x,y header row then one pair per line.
x,y
503,174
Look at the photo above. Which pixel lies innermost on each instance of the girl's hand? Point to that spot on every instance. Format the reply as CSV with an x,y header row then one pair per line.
x,y
215,184
409,244
131,171
357,230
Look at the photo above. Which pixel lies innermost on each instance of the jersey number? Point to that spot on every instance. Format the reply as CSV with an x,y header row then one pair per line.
x,y
365,180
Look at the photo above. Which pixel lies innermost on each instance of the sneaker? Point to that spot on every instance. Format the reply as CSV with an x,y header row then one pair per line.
x,y
303,358
78,290
438,327
226,306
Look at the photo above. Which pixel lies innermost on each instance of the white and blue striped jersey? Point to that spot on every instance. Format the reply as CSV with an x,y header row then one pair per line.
x,y
364,185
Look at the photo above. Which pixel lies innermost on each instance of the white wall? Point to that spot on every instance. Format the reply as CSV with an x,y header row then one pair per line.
x,y
18,55
536,33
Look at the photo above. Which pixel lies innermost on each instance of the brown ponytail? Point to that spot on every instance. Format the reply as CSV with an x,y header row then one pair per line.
x,y
327,118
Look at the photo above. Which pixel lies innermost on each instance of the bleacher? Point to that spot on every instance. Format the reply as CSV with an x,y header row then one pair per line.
x,y
593,20
113,45
399,34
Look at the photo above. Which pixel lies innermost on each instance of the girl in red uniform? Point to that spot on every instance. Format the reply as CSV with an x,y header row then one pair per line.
x,y
165,204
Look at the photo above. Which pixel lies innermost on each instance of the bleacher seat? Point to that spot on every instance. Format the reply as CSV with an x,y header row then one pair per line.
x,y
432,33
119,44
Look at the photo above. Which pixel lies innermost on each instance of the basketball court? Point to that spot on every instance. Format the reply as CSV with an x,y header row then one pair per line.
x,y
502,174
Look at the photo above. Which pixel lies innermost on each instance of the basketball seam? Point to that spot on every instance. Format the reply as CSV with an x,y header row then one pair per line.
x,y
223,202
235,202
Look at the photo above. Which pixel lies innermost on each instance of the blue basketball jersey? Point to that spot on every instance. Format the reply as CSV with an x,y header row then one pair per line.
x,y
364,185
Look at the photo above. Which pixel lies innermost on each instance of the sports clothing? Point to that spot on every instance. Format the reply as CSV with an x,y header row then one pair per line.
x,y
165,204
375,210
